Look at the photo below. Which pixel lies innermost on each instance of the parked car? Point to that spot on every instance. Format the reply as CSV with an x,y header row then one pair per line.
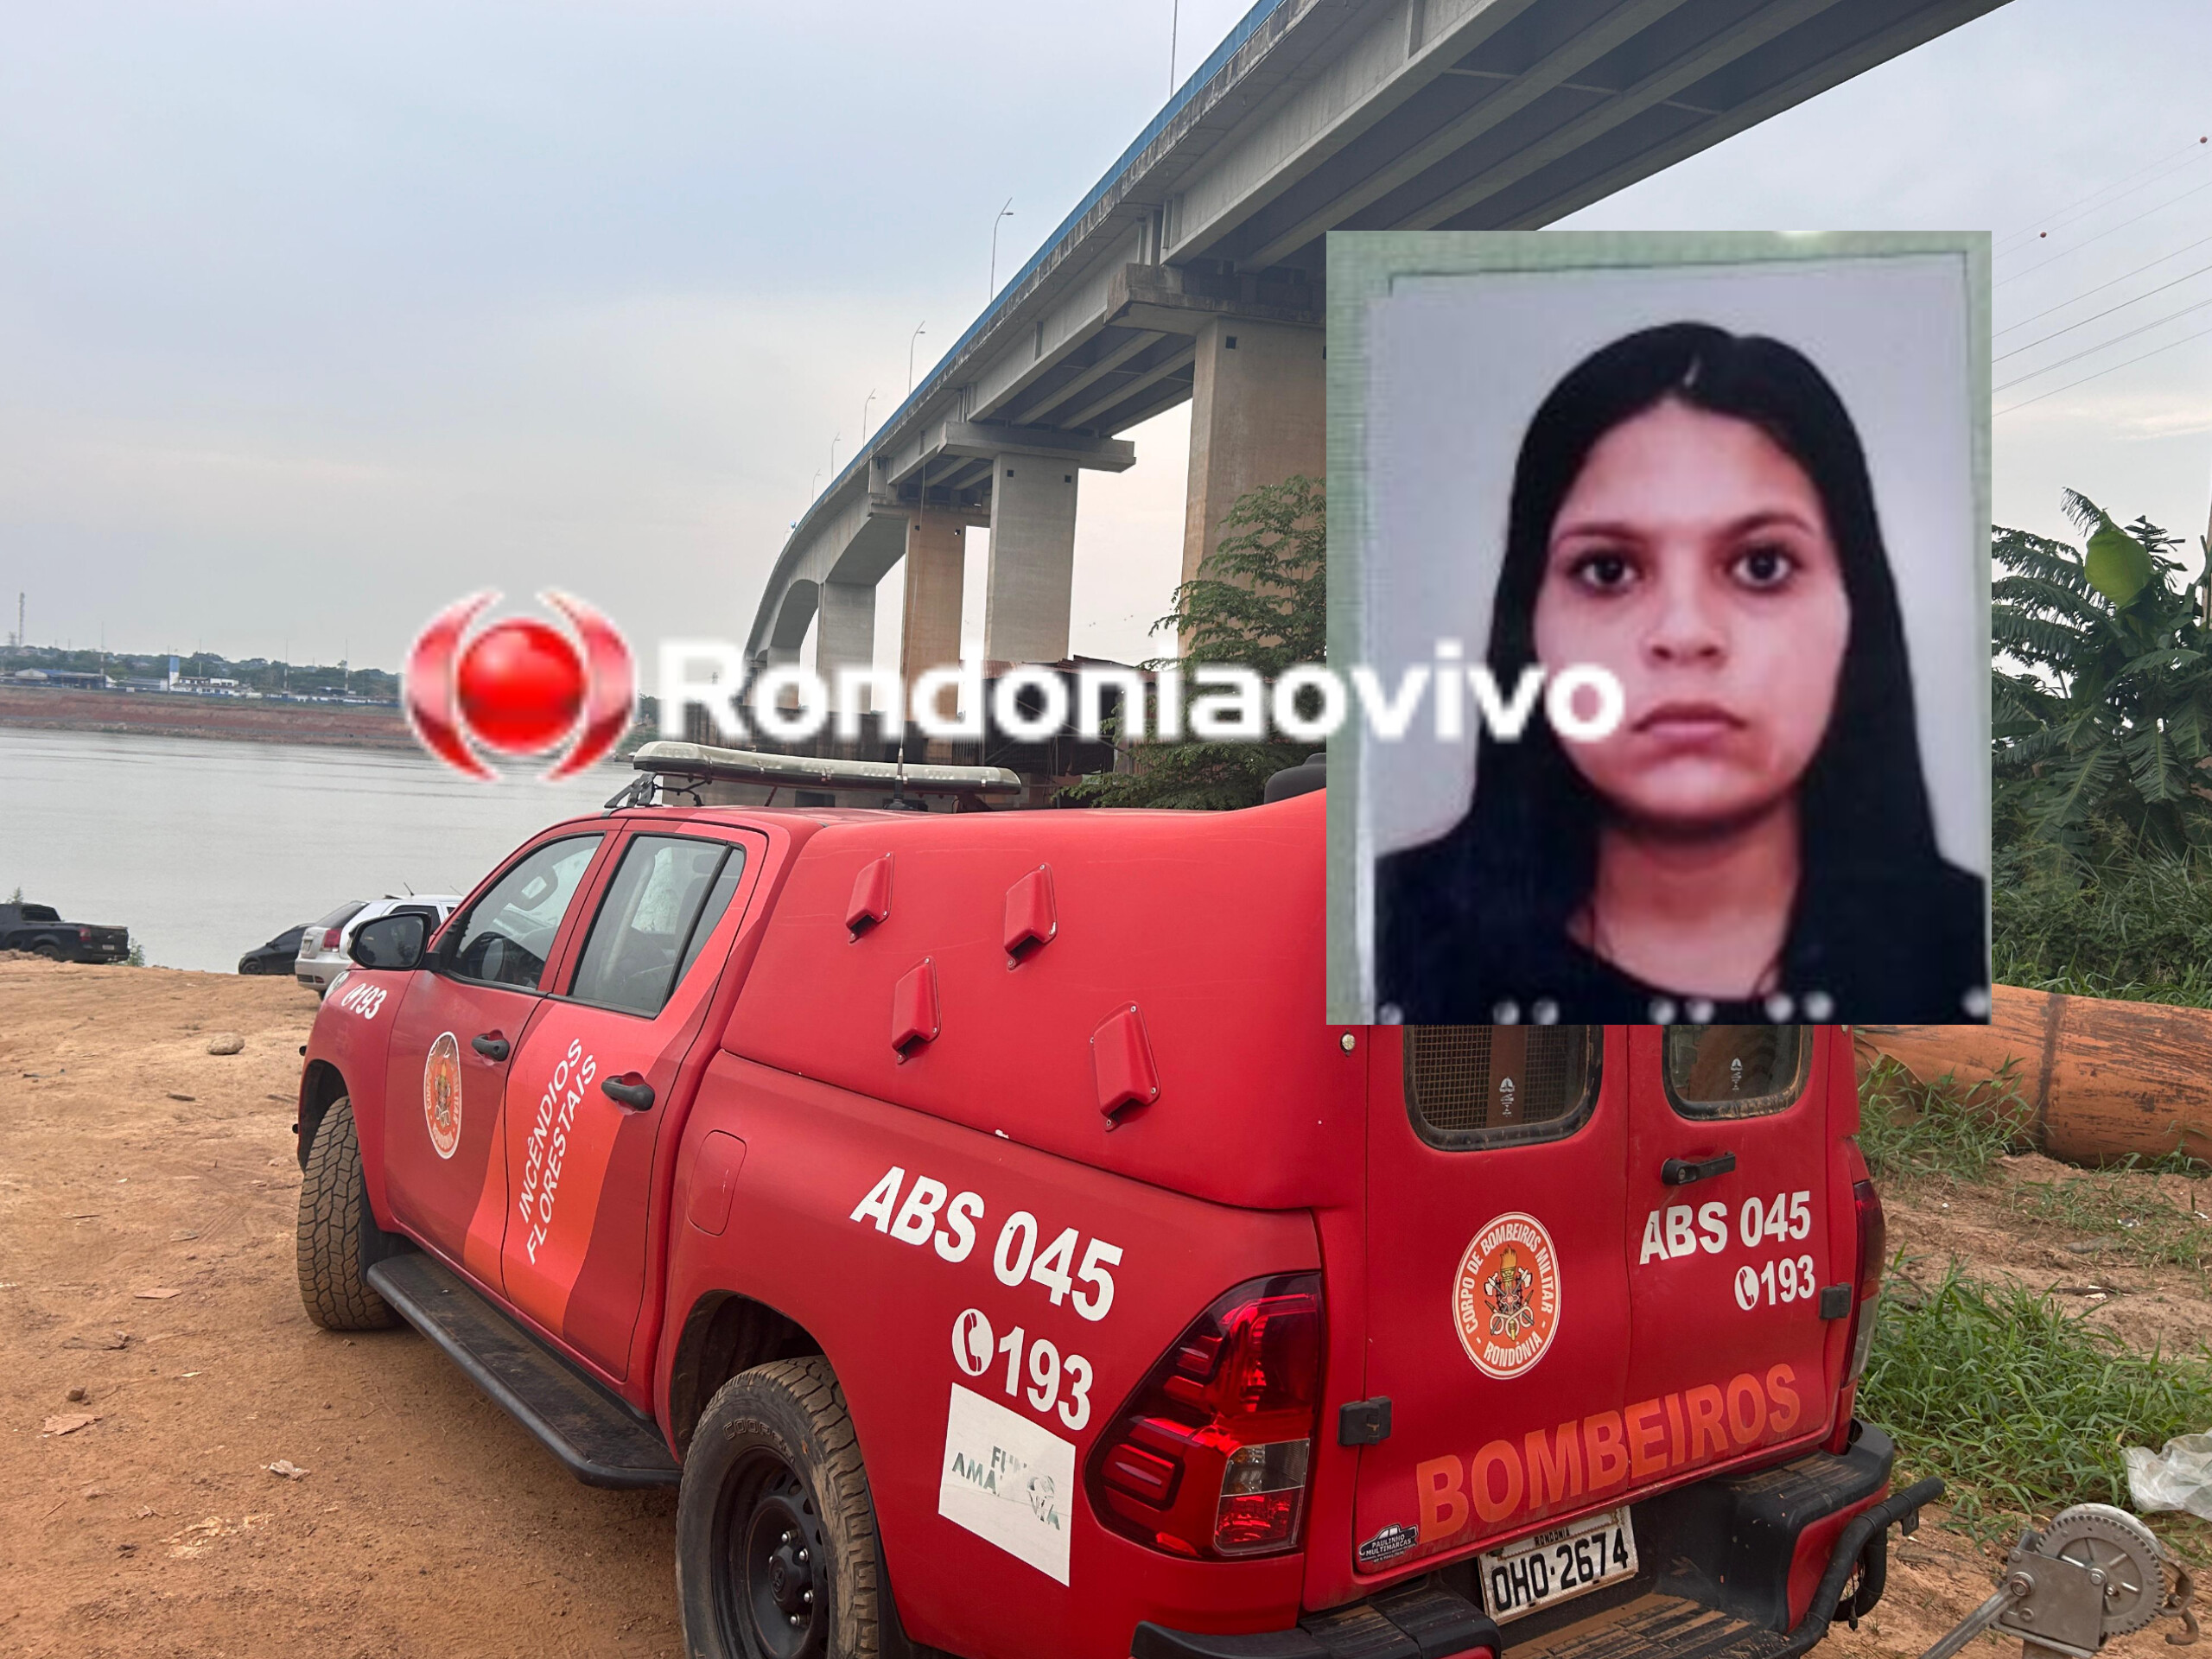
x,y
319,959
974,1219
40,928
322,955
277,956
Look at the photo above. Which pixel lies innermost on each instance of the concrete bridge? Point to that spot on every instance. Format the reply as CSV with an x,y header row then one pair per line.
x,y
1193,269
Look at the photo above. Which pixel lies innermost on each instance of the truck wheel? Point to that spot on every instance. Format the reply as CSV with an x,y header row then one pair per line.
x,y
338,1240
49,949
776,1553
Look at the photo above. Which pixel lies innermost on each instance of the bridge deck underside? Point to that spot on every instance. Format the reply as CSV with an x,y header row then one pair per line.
x,y
1335,115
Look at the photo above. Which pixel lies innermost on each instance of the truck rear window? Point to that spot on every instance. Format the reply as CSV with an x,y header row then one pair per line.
x,y
1469,1086
1735,1071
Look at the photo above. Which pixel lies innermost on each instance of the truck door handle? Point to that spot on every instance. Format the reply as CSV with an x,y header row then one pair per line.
x,y
490,1044
1680,1171
629,1090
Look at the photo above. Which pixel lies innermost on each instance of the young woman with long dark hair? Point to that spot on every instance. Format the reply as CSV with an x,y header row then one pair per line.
x,y
1691,510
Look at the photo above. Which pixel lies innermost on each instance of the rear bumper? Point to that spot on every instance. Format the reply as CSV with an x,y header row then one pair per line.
x,y
1751,1566
1420,1621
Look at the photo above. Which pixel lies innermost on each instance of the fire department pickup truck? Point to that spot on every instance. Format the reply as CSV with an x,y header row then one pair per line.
x,y
972,1214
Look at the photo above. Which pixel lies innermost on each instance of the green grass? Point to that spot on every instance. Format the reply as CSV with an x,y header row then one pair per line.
x,y
2020,1405
2135,926
1912,1130
2193,990
2138,1223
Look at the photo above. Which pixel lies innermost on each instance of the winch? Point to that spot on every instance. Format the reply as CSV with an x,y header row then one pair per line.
x,y
2095,1571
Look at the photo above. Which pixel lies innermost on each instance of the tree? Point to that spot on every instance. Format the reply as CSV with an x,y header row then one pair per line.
x,y
2102,701
1259,601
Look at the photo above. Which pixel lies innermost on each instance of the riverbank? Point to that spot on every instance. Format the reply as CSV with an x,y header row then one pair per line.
x,y
161,714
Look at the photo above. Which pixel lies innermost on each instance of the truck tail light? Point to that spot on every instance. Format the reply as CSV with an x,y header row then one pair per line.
x,y
1873,1251
1209,1459
85,935
330,938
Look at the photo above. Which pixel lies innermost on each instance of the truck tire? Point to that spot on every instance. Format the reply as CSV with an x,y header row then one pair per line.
x,y
776,1548
338,1240
48,949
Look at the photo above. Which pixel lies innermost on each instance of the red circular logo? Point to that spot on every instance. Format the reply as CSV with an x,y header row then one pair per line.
x,y
519,687
1505,1295
442,1094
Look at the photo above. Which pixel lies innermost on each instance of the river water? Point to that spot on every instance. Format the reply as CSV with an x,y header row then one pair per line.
x,y
203,849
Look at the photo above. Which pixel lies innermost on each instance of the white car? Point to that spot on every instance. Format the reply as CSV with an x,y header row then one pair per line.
x,y
322,948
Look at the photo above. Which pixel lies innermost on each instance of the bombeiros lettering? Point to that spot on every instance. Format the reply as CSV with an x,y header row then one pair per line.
x,y
1547,1469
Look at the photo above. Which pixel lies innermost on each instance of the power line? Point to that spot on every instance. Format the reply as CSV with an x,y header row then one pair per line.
x,y
2100,235
2154,351
2107,312
2091,351
2101,287
2159,169
2042,223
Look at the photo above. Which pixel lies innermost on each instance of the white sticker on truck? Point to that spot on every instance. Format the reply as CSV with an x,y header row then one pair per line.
x,y
1007,1481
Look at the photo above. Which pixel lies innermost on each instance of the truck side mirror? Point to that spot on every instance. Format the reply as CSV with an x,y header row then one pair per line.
x,y
393,942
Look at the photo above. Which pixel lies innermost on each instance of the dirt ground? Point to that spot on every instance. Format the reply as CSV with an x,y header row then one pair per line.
x,y
1938,1576
147,1197
133,1162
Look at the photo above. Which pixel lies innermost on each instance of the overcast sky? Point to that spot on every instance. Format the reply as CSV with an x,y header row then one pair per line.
x,y
314,318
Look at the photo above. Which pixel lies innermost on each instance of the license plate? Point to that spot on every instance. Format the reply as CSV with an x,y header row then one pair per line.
x,y
1549,1568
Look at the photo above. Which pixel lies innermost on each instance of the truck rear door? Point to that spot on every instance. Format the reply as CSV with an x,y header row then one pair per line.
x,y
1497,1293
1728,1242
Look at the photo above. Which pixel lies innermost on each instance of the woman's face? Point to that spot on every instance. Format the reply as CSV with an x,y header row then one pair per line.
x,y
1693,558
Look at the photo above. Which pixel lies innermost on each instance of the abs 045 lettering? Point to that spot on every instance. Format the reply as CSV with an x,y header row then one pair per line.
x,y
1070,1269
1678,1230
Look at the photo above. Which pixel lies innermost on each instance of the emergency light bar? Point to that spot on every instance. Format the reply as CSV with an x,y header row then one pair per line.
x,y
699,760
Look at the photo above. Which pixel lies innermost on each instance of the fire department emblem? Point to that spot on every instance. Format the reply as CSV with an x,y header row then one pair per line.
x,y
1505,1296
442,1094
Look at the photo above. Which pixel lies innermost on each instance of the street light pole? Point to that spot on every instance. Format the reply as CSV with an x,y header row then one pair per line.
x,y
1174,27
834,442
911,338
865,406
1006,212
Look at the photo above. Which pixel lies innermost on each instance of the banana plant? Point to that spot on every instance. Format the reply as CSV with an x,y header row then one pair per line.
x,y
2101,714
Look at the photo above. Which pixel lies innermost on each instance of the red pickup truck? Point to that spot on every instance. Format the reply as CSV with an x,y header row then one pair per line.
x,y
973,1214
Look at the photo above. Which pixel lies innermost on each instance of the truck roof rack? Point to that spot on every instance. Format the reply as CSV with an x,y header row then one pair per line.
x,y
682,767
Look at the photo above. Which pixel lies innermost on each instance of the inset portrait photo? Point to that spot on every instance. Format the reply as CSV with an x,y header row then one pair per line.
x,y
1664,561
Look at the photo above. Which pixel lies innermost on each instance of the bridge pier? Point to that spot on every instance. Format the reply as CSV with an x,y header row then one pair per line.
x,y
1031,580
846,621
1258,408
936,558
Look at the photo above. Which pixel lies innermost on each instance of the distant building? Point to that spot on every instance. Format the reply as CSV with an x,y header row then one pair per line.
x,y
62,676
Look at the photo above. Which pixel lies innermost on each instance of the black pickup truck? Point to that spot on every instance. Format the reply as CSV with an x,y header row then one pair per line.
x,y
40,928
